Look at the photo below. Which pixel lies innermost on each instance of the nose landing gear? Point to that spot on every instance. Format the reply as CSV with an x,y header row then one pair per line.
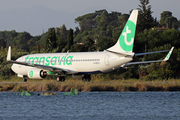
x,y
86,78
24,79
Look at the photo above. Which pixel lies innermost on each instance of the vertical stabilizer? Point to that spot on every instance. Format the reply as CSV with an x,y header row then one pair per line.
x,y
126,40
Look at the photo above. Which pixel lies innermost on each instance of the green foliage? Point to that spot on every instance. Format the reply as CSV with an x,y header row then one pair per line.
x,y
21,40
42,39
61,43
63,31
90,44
145,19
78,48
2,43
33,40
123,18
70,39
168,20
104,43
51,40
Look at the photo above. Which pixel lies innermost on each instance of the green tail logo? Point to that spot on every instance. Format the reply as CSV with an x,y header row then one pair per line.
x,y
126,39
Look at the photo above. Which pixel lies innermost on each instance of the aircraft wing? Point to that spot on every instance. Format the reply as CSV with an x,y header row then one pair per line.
x,y
50,68
144,62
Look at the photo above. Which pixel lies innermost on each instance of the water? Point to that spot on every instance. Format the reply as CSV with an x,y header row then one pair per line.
x,y
91,105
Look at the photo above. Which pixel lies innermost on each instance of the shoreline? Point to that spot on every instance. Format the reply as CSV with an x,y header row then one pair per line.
x,y
90,86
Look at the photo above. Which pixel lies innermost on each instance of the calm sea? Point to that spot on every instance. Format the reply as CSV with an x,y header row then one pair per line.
x,y
91,105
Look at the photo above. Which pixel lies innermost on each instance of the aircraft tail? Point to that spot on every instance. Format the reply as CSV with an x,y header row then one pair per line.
x,y
126,40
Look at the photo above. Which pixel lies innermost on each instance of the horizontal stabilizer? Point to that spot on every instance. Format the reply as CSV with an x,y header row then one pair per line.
x,y
139,54
146,62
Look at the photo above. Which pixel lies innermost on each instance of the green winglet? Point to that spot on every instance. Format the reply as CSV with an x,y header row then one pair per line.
x,y
72,92
169,54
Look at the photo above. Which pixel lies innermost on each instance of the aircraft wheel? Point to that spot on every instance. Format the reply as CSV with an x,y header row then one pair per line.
x,y
60,79
24,79
84,79
89,79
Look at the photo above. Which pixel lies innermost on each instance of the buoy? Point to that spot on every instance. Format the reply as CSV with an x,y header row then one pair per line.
x,y
48,93
25,93
72,92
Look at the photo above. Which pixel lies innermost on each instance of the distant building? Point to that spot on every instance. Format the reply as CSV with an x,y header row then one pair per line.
x,y
80,43
160,28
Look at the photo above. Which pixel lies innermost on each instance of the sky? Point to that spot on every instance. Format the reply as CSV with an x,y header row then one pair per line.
x,y
36,16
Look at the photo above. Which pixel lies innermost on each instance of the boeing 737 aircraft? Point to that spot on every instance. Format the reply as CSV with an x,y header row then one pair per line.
x,y
38,66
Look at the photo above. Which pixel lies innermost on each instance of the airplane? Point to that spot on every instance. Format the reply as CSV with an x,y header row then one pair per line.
x,y
82,64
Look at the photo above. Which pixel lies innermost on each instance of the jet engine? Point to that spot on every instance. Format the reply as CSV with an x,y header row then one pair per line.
x,y
36,73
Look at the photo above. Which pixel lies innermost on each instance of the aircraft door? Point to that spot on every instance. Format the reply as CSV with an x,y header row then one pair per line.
x,y
106,60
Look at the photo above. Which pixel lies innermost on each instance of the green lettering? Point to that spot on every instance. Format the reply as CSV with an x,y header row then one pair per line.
x,y
30,59
54,61
69,62
65,59
26,58
34,59
61,60
48,61
41,59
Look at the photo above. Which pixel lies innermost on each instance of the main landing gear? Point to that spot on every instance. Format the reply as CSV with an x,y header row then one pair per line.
x,y
86,78
24,79
60,78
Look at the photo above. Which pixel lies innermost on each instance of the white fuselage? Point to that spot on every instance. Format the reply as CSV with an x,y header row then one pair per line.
x,y
76,62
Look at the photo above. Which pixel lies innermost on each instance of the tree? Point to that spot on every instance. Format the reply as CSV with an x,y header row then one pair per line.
x,y
168,20
21,40
145,19
104,43
89,44
87,21
70,39
103,20
2,43
63,31
51,40
79,48
61,43
123,18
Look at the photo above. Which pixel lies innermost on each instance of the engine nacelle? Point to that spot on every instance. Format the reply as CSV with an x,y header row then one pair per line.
x,y
36,73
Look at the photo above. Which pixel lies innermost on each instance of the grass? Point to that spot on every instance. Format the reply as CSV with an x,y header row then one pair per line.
x,y
97,84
